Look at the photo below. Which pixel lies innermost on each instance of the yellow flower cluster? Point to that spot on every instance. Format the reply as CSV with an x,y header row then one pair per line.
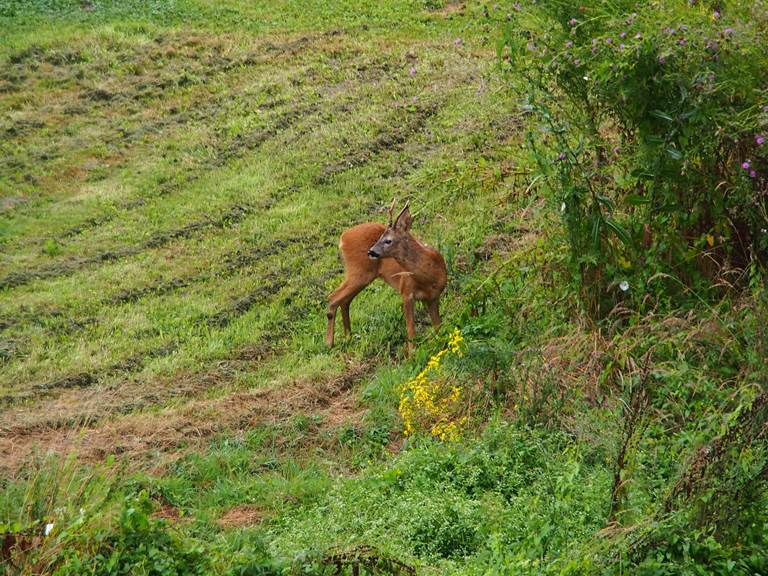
x,y
427,403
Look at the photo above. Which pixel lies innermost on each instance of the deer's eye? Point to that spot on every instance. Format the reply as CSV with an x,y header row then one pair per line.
x,y
387,241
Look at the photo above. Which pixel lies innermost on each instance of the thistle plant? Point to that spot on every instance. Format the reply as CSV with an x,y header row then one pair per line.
x,y
651,139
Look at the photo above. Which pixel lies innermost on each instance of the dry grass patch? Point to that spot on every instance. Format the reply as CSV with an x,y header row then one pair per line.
x,y
240,517
154,439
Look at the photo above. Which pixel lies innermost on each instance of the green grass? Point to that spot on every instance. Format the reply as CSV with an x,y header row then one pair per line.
x,y
178,175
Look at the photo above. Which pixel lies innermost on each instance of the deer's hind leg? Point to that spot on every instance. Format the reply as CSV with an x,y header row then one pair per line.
x,y
342,297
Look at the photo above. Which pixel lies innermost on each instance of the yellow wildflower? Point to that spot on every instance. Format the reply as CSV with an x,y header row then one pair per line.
x,y
430,403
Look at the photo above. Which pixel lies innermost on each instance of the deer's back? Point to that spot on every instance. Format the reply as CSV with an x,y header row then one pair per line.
x,y
354,245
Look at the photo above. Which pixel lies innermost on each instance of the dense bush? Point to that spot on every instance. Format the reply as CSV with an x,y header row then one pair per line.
x,y
654,119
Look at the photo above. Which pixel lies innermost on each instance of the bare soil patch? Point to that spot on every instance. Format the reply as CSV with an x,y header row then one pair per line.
x,y
240,517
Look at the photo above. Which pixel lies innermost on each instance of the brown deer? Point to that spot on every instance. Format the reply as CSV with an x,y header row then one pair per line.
x,y
390,252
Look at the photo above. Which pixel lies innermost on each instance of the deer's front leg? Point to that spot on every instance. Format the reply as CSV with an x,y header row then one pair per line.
x,y
433,308
410,328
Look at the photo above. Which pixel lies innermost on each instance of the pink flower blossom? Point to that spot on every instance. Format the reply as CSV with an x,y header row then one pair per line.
x,y
759,139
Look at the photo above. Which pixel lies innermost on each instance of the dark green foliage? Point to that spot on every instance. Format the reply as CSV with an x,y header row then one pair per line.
x,y
653,123
137,544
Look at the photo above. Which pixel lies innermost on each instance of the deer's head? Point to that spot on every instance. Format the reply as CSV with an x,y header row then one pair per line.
x,y
391,243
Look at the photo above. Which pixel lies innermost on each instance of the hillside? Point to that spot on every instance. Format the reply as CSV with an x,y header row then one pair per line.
x,y
174,182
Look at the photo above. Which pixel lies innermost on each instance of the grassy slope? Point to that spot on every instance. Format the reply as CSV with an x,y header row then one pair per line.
x,y
178,177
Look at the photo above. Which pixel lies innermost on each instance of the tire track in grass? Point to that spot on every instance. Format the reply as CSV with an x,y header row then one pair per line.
x,y
231,215
386,141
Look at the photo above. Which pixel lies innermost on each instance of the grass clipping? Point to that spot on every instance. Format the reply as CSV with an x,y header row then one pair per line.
x,y
432,402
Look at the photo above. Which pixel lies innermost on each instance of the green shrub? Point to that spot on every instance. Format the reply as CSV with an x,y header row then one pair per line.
x,y
138,544
654,119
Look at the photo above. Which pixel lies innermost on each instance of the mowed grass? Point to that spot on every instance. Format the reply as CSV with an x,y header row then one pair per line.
x,y
172,200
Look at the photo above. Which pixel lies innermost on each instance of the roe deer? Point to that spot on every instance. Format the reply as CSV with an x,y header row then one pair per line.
x,y
390,252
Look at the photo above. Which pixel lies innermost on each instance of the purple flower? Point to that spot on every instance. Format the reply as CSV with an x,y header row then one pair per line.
x,y
414,100
638,36
569,44
716,14
412,71
765,108
573,22
728,31
745,165
594,41
561,157
516,6
662,59
759,139
752,174
577,62
457,42
681,42
621,46
616,150
623,35
609,40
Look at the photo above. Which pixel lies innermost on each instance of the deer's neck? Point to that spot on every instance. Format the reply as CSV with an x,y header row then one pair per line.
x,y
423,263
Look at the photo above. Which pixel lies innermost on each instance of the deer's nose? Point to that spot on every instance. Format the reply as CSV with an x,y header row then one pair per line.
x,y
372,254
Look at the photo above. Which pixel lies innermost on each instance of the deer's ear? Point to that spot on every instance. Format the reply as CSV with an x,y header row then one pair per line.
x,y
404,220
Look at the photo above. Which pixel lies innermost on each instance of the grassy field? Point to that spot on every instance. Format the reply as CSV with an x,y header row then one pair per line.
x,y
175,177
173,199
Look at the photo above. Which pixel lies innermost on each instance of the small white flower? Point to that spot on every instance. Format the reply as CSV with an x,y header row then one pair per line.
x,y
763,230
48,528
562,207
624,285
586,77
